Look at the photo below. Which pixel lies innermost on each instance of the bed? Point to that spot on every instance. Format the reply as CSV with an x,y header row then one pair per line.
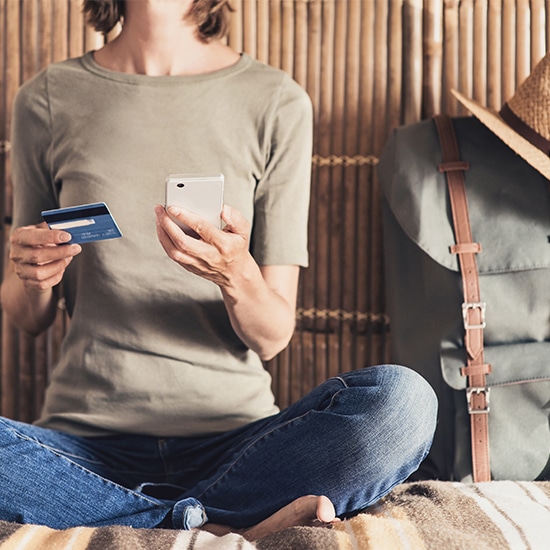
x,y
440,515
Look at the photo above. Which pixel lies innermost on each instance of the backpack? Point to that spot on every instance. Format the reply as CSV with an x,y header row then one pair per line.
x,y
472,315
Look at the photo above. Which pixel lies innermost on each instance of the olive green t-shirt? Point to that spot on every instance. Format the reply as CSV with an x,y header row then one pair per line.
x,y
150,348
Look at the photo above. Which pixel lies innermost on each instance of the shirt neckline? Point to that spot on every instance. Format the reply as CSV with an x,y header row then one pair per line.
x,y
92,66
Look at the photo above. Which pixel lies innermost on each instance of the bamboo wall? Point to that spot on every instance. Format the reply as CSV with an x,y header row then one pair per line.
x,y
368,66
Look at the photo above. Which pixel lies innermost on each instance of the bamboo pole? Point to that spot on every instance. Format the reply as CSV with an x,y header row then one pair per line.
x,y
494,60
451,61
235,39
433,57
395,64
323,267
536,30
412,60
45,34
301,50
10,84
352,356
29,29
523,43
249,27
275,31
76,29
287,37
479,79
373,19
9,379
465,53
337,181
376,299
262,7
509,49
60,45
350,235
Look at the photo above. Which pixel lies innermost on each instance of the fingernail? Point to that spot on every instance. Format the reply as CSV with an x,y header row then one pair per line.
x,y
174,211
65,237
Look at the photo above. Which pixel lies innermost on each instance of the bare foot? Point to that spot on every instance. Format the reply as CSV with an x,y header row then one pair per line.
x,y
308,510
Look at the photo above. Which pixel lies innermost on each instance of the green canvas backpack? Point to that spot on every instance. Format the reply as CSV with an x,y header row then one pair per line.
x,y
507,388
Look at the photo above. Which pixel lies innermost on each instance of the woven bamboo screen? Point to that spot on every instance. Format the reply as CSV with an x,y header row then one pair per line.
x,y
368,66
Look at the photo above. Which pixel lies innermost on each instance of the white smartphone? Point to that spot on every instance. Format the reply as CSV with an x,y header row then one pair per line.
x,y
201,194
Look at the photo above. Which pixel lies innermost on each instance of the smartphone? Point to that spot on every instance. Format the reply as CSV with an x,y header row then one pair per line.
x,y
201,194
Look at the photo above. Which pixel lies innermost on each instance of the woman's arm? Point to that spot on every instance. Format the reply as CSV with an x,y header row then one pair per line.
x,y
37,262
262,307
260,301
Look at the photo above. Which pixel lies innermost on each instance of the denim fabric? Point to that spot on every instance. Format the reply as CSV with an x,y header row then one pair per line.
x,y
352,439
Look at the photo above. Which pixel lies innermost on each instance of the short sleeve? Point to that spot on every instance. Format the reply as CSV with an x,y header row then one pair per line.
x,y
31,141
279,235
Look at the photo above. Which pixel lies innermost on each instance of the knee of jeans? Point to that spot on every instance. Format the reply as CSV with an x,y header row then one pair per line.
x,y
400,399
415,407
395,384
409,392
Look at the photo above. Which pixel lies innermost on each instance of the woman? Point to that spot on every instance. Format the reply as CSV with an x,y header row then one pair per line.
x,y
159,412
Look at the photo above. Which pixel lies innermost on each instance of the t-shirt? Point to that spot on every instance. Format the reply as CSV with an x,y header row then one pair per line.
x,y
150,348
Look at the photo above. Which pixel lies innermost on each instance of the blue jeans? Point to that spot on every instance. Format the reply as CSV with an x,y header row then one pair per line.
x,y
352,439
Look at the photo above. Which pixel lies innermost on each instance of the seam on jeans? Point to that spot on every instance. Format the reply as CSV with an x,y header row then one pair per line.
x,y
341,380
68,455
53,449
240,455
73,463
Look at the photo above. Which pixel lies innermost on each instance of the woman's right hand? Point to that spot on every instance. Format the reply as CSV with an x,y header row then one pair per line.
x,y
40,255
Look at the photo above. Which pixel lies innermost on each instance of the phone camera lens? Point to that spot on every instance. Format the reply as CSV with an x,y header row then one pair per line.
x,y
181,185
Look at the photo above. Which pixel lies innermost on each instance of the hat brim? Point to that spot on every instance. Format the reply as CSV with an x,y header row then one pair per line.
x,y
526,150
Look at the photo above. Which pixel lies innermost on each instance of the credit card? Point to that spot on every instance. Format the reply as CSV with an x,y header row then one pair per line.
x,y
85,222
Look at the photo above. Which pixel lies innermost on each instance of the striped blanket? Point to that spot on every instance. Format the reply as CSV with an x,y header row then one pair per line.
x,y
428,515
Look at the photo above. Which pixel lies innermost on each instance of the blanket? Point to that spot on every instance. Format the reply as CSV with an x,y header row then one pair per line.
x,y
497,515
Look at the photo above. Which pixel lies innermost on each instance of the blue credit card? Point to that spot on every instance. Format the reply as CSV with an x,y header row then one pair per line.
x,y
85,222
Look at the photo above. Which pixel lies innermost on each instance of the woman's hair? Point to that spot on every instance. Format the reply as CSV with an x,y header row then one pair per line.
x,y
210,16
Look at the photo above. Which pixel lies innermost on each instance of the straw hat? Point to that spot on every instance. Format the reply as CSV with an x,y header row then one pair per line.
x,y
523,123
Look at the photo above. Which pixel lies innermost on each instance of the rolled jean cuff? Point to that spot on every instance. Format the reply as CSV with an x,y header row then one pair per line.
x,y
188,514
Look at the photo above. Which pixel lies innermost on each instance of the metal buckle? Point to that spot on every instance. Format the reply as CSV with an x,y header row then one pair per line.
x,y
478,390
473,305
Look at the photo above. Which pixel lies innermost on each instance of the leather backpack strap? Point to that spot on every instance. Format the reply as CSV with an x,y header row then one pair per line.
x,y
473,309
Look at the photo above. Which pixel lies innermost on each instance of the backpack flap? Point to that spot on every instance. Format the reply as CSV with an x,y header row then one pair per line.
x,y
507,199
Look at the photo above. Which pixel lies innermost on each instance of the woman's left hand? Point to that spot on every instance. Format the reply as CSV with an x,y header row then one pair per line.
x,y
215,254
